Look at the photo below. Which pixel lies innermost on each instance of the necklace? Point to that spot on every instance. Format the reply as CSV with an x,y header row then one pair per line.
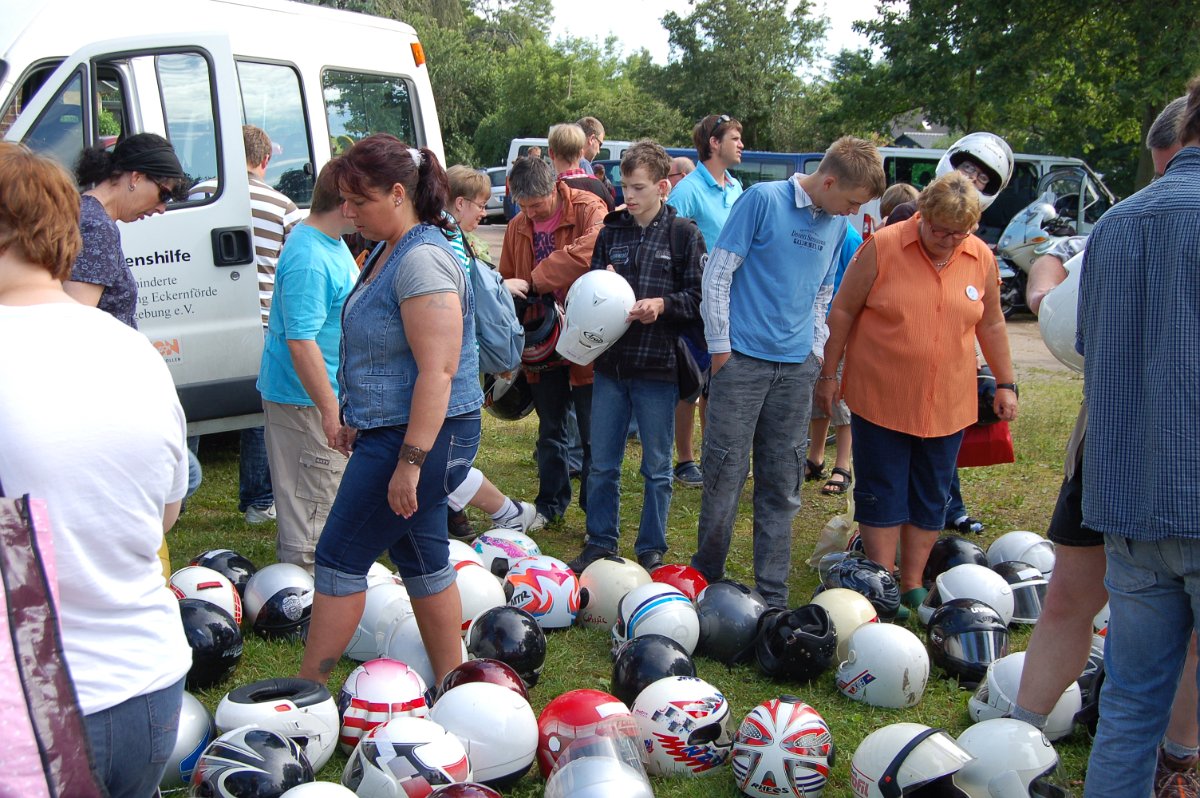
x,y
942,264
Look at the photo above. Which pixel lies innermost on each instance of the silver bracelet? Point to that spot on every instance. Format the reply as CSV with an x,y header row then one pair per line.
x,y
823,377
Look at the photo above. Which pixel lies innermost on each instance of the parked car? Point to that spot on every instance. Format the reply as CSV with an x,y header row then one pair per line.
x,y
495,203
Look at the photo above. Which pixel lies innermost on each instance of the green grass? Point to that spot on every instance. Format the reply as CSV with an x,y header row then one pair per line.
x,y
1016,496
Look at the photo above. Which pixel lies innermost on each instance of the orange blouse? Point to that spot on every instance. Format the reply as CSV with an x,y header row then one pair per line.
x,y
910,356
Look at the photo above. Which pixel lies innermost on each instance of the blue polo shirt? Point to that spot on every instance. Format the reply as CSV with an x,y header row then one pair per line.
x,y
699,197
773,256
314,276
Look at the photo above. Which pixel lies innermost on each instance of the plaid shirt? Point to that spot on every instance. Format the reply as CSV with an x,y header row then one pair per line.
x,y
642,255
1139,327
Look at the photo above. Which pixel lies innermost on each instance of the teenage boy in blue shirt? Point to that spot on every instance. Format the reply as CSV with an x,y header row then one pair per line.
x,y
661,255
767,287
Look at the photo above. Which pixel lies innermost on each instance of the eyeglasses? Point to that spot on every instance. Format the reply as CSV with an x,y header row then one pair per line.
x,y
973,172
166,194
675,174
957,235
479,206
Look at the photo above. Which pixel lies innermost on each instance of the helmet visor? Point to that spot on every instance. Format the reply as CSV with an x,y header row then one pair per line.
x,y
979,648
1028,599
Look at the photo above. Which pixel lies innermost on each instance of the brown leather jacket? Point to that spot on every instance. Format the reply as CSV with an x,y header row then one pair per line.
x,y
574,239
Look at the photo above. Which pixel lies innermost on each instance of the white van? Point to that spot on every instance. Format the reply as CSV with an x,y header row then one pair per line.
x,y
77,73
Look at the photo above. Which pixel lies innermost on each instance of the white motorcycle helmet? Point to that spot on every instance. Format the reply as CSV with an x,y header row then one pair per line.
x,y
1029,590
684,725
496,726
848,610
478,589
783,747
460,552
601,586
658,609
380,574
973,582
1025,546
278,601
297,708
318,789
1012,760
997,694
1057,317
385,600
374,693
1100,621
196,731
402,641
405,757
597,312
545,588
599,765
987,150
499,548
899,759
198,582
886,666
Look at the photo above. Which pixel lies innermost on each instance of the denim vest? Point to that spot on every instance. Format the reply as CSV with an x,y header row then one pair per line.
x,y
378,371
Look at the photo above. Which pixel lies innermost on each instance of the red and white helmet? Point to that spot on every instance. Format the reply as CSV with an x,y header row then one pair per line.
x,y
545,588
689,581
405,758
402,641
384,602
495,725
597,313
783,747
499,548
601,586
580,713
198,582
684,726
478,589
460,551
374,693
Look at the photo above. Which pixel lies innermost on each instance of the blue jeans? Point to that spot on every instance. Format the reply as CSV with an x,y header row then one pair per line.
x,y
955,507
362,525
766,405
552,397
132,741
652,403
254,472
1154,604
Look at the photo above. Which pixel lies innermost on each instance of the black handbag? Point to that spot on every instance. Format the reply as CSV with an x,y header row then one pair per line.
x,y
687,373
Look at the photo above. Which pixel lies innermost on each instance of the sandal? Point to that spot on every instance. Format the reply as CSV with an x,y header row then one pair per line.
x,y
837,487
813,471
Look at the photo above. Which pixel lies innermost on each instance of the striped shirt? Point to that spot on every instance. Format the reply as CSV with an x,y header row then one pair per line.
x,y
1139,326
273,215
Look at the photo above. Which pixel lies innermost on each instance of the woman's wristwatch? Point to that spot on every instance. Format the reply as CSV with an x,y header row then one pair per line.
x,y
412,455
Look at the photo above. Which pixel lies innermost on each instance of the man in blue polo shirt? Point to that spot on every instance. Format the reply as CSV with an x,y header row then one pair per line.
x,y
767,286
706,195
298,375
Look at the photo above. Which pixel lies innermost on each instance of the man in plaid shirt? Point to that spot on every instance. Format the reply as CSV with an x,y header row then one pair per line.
x,y
637,376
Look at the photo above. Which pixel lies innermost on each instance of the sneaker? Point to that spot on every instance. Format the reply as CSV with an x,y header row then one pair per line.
x,y
969,526
591,552
528,519
459,526
650,560
1175,778
260,515
688,474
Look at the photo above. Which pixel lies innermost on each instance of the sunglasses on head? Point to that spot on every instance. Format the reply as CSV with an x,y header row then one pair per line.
x,y
722,120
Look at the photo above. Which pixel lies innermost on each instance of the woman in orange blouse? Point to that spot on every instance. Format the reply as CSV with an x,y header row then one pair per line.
x,y
910,308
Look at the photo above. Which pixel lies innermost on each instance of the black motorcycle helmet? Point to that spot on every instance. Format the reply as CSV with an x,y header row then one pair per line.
x,y
1090,682
512,636
644,660
507,399
230,564
728,612
869,579
1029,587
216,643
965,636
797,644
250,762
947,552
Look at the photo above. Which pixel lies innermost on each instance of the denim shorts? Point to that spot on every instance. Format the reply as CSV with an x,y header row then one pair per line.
x,y
362,525
900,478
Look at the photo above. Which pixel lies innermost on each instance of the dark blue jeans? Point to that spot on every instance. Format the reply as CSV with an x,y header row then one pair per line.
x,y
552,396
254,472
955,507
132,741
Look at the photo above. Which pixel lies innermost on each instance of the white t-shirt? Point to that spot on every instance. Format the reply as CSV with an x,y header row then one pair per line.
x,y
89,421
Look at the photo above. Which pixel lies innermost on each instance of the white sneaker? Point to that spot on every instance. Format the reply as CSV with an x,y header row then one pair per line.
x,y
527,520
260,515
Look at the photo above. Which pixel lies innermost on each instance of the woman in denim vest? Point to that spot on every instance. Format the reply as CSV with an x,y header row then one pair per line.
x,y
410,399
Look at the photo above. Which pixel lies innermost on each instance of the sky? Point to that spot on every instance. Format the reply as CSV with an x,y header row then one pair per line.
x,y
636,22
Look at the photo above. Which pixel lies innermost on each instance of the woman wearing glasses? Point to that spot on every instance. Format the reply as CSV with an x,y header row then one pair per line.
x,y
913,302
135,180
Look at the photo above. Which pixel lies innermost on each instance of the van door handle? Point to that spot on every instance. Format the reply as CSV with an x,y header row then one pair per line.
x,y
232,246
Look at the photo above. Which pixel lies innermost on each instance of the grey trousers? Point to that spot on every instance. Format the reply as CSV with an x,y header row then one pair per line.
x,y
764,405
